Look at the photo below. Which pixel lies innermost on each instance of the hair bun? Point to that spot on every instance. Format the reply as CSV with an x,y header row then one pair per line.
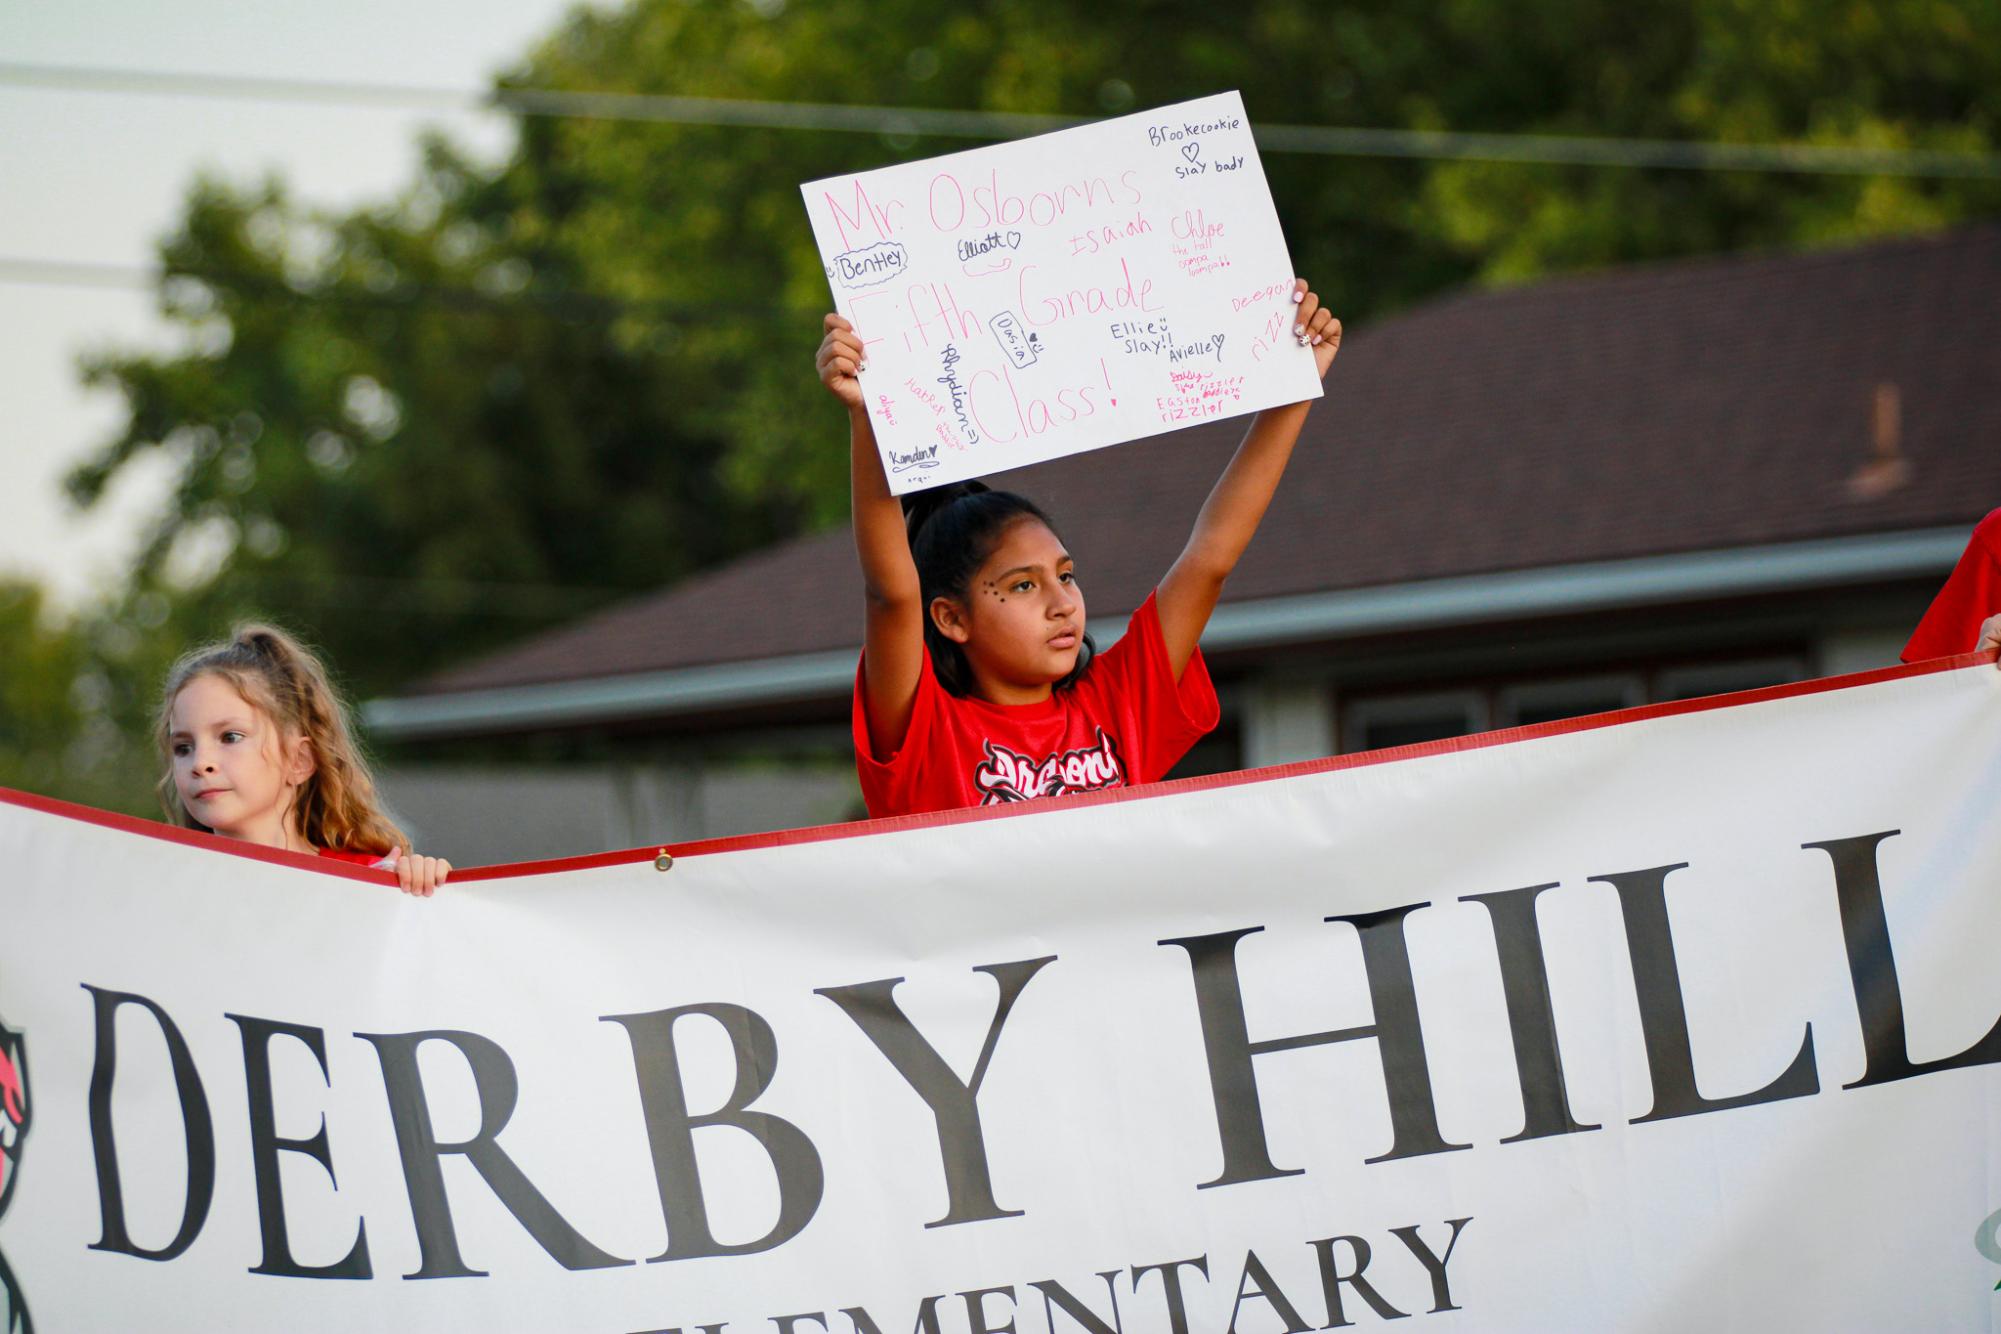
x,y
920,506
281,655
263,640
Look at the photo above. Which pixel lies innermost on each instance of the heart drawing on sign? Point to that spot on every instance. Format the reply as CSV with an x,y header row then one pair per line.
x,y
1191,151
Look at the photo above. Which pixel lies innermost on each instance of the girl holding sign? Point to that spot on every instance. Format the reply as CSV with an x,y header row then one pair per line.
x,y
978,684
257,748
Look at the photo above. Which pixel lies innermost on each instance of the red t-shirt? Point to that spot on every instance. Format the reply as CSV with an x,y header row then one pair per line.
x,y
1126,721
1971,594
358,858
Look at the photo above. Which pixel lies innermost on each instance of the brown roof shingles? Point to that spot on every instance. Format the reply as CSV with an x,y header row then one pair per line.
x,y
1676,407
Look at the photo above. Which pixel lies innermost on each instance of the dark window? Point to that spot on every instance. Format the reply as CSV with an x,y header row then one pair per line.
x,y
1553,701
1373,723
1721,678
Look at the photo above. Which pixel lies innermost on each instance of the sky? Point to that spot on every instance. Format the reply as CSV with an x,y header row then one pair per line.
x,y
96,178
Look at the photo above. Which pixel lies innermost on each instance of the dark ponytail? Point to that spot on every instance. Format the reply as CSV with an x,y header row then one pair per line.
x,y
953,529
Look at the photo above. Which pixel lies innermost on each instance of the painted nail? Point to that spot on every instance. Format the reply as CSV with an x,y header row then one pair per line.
x,y
859,369
1316,340
1297,296
1298,329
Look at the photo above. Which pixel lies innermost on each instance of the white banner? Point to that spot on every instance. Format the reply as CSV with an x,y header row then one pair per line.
x,y
1061,293
1689,1020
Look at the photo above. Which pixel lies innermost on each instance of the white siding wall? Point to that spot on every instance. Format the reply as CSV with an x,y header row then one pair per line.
x,y
479,815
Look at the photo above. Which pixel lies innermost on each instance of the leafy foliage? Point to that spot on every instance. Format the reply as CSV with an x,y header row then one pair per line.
x,y
68,724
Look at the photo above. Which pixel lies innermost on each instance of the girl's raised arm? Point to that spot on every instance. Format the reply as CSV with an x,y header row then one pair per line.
x,y
1230,517
893,632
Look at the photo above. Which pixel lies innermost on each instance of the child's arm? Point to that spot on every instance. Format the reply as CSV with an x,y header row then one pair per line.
x,y
893,632
1230,517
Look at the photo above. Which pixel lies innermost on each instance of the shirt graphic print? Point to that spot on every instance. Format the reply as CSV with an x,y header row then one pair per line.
x,y
1007,776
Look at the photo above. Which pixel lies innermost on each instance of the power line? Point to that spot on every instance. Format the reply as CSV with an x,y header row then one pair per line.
x,y
916,122
1674,154
237,88
410,595
560,304
67,273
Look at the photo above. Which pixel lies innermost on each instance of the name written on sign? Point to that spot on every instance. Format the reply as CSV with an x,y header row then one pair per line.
x,y
870,265
972,247
1022,348
1156,338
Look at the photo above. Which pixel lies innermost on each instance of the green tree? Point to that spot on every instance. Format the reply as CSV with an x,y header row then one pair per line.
x,y
1905,74
69,724
386,438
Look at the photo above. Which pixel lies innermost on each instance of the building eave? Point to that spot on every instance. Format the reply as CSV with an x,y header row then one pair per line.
x,y
1270,622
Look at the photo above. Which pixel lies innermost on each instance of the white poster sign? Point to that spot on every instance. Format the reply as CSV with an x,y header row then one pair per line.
x,y
1690,1020
1062,293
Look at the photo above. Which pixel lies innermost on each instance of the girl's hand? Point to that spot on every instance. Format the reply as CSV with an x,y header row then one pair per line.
x,y
840,362
1990,635
416,876
1315,327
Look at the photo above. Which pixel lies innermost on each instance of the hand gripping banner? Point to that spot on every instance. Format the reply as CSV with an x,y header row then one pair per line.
x,y
1688,1017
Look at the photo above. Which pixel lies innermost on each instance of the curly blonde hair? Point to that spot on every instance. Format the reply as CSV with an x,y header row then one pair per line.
x,y
337,806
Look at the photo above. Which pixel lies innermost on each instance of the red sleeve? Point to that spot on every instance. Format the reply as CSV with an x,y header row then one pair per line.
x,y
1971,594
1160,717
358,858
896,785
